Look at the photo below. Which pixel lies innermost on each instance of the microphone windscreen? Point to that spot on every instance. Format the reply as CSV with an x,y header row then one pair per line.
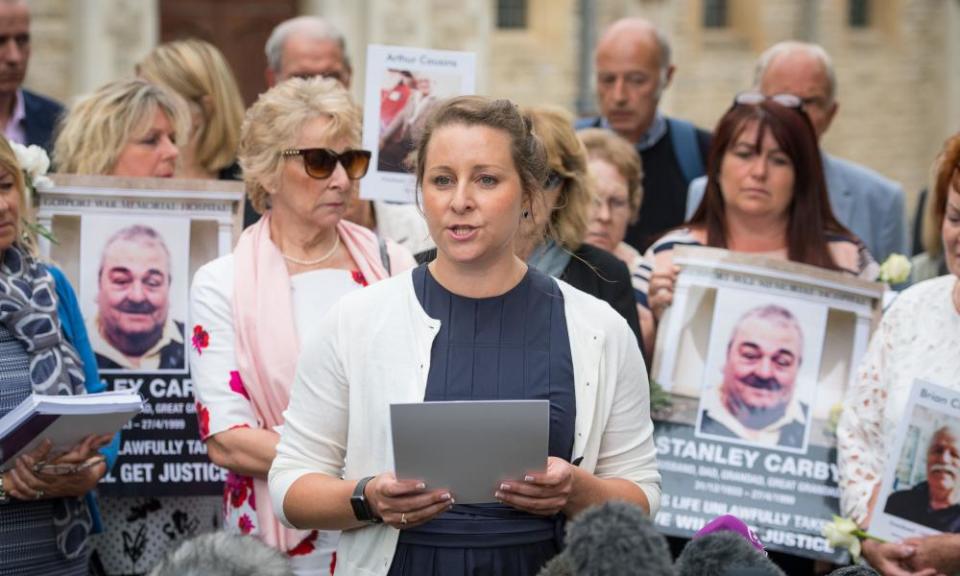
x,y
722,553
615,537
855,570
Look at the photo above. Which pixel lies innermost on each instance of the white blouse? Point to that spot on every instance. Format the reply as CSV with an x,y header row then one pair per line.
x,y
919,337
222,400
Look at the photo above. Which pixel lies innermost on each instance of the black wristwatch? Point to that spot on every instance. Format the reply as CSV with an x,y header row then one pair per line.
x,y
361,508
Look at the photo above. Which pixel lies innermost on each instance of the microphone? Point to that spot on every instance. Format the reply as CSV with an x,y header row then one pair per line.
x,y
855,570
724,553
609,540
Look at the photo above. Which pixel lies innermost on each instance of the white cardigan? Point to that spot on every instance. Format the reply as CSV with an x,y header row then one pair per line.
x,y
373,349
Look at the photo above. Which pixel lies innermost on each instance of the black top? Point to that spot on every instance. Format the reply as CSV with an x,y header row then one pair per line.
x,y
664,191
603,275
596,272
509,347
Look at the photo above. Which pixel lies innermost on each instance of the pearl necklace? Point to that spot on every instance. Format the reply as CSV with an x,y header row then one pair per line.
x,y
336,244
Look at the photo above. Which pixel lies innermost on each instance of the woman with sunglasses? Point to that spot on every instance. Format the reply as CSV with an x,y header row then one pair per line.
x,y
253,309
476,323
765,194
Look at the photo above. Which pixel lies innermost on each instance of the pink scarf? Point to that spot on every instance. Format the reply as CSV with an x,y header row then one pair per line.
x,y
267,346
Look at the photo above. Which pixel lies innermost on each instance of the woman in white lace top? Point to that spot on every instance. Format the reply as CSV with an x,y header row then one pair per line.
x,y
919,337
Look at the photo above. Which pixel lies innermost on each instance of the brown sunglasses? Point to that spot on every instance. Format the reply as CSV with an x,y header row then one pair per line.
x,y
320,163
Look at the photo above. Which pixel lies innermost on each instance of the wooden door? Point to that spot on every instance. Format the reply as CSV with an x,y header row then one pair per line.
x,y
239,28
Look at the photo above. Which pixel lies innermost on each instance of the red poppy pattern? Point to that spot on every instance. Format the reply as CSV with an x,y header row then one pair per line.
x,y
200,339
203,417
359,278
245,524
305,546
236,384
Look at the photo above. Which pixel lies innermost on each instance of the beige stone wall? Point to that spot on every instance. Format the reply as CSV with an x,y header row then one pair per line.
x,y
78,45
899,81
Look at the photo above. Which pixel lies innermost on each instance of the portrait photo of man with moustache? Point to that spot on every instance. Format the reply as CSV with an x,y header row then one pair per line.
x,y
758,400
132,327
934,502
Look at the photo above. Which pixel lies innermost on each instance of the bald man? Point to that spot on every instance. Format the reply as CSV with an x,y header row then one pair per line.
x,y
871,206
633,69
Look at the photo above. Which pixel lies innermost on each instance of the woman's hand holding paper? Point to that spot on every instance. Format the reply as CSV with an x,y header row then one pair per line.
x,y
544,493
406,503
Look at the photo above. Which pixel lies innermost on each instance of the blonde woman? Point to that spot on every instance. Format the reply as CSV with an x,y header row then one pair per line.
x,y
198,72
300,154
617,175
477,323
45,519
131,128
126,128
554,228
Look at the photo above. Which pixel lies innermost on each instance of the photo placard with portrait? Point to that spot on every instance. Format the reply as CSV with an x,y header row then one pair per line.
x,y
136,311
403,86
759,386
134,284
920,489
755,355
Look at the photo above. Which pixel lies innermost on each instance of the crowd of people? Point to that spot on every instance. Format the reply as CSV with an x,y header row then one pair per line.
x,y
537,264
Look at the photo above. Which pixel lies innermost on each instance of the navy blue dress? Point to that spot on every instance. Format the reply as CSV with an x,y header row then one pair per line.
x,y
509,347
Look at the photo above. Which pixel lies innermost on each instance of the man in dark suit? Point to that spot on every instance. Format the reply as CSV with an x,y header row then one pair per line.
x,y
27,118
633,68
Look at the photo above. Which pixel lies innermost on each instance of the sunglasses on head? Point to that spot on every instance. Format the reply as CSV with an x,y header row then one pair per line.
x,y
753,98
320,163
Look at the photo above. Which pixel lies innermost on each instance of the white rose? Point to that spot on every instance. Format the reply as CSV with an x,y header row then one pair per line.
x,y
33,160
895,269
841,533
40,162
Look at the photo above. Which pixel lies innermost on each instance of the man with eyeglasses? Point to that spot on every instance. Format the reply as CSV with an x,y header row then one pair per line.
x,y
26,118
871,206
633,69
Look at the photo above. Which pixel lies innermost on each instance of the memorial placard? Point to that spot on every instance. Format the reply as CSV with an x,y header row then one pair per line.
x,y
756,354
130,247
920,491
403,86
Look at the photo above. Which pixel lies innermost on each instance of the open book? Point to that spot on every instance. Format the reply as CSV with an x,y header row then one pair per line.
x,y
65,420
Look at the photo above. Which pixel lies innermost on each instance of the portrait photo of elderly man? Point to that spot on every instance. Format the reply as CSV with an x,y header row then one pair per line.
x,y
757,400
935,502
132,328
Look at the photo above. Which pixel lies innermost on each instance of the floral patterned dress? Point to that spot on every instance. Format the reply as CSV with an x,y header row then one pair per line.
x,y
222,399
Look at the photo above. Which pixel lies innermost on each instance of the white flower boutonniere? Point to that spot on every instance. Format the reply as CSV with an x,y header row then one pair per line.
x,y
895,269
34,163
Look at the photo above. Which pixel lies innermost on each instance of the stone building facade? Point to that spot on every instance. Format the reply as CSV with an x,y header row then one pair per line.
x,y
898,75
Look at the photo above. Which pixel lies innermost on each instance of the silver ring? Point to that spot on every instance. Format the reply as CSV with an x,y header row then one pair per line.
x,y
403,518
38,495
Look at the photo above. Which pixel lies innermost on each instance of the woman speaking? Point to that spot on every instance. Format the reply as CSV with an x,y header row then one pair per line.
x,y
413,338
